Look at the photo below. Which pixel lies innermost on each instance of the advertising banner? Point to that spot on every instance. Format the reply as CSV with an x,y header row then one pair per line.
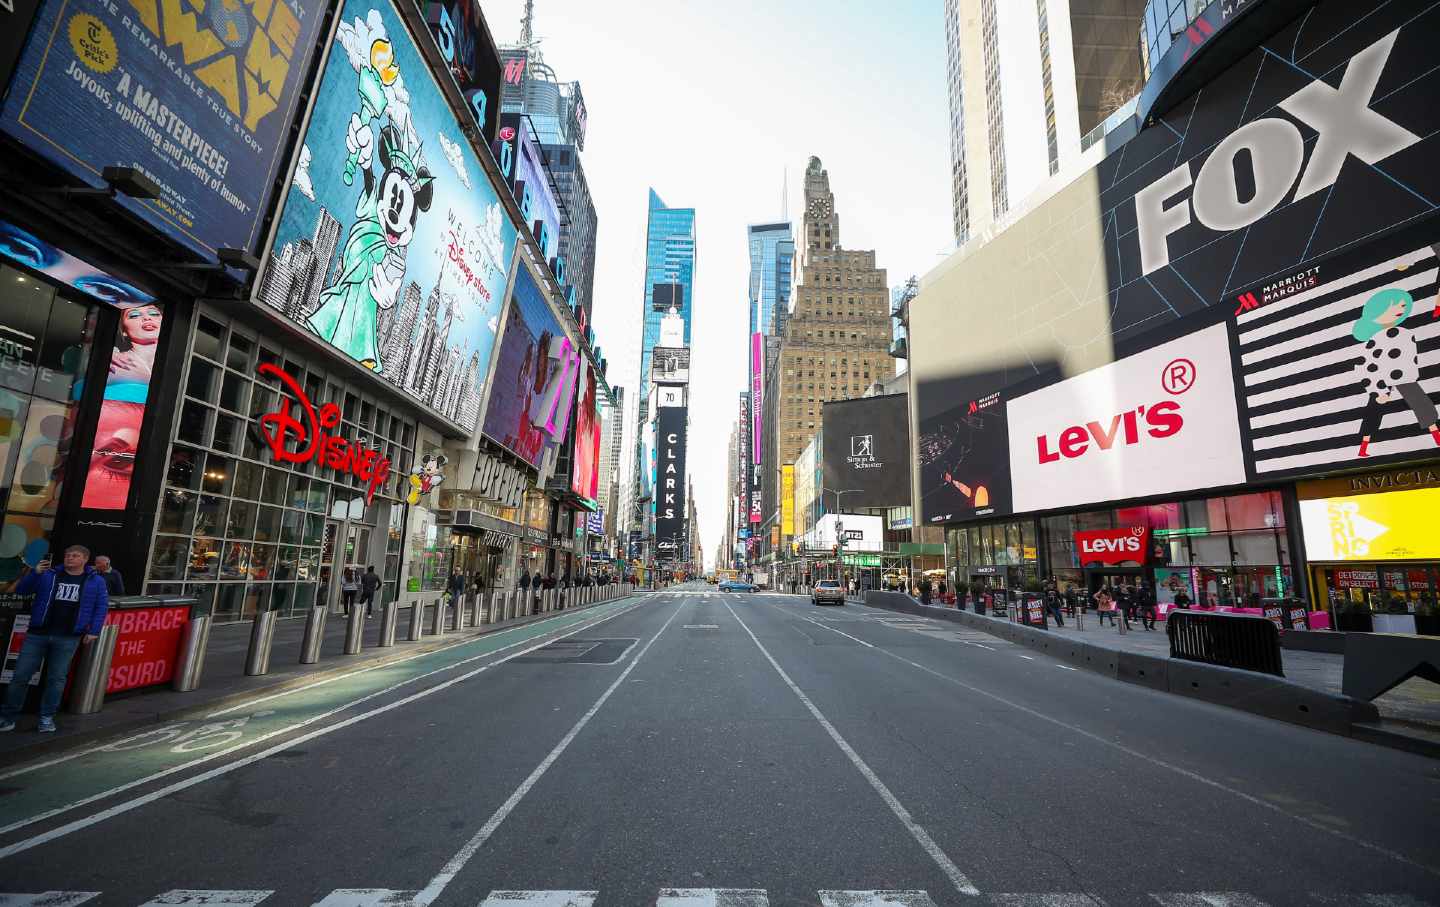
x,y
458,27
757,397
1340,363
670,365
1120,431
1125,545
517,152
866,450
585,471
1393,525
787,499
392,245
535,375
670,430
199,98
963,451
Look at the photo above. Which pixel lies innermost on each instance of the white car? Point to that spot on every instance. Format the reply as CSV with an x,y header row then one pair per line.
x,y
828,590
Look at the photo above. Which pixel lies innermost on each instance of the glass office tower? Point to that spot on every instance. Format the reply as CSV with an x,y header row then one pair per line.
x,y
772,256
669,274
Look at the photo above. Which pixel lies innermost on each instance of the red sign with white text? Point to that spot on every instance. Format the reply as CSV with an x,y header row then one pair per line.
x,y
312,442
1113,546
147,647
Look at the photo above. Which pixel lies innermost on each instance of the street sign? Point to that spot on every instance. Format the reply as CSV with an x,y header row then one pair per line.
x,y
861,560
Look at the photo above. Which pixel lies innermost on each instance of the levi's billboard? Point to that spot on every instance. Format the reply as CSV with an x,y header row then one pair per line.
x,y
1125,545
1158,422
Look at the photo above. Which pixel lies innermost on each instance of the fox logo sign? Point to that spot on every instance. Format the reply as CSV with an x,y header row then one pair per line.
x,y
1345,124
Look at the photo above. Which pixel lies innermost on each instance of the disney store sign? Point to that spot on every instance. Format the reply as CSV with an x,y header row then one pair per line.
x,y
305,437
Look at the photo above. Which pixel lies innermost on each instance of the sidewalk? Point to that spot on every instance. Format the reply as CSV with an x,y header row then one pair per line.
x,y
224,677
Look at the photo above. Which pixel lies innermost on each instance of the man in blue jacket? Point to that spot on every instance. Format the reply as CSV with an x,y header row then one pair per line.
x,y
70,605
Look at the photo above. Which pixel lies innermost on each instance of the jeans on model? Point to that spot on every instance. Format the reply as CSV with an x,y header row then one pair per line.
x,y
38,648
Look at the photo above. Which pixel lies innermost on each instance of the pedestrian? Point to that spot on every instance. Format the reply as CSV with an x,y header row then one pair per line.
x,y
114,582
525,581
1052,603
456,587
69,607
925,589
1182,601
1072,601
1126,601
1146,601
1105,605
549,582
349,588
369,583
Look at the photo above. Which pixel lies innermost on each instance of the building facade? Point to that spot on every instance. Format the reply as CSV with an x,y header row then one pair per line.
x,y
772,257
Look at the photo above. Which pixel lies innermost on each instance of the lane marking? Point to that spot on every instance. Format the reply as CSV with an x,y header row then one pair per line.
x,y
47,899
833,630
225,898
120,808
365,897
712,897
1149,758
1066,668
875,899
921,836
1208,899
1057,899
701,627
541,898
452,868
1026,657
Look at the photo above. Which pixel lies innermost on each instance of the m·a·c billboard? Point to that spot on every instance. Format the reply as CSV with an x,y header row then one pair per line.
x,y
866,451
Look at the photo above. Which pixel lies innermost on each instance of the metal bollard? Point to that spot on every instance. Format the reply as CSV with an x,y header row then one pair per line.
x,y
192,654
462,610
93,674
262,636
354,630
389,617
314,634
437,620
477,615
417,620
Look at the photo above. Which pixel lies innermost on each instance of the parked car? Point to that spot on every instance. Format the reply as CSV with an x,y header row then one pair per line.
x,y
735,585
828,591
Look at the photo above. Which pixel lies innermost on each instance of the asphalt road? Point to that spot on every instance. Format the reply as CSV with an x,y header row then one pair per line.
x,y
690,748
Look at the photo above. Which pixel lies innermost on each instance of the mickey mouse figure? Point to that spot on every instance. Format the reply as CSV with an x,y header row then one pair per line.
x,y
427,476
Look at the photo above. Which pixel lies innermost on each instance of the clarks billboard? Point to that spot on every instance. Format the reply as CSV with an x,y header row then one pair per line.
x,y
1309,148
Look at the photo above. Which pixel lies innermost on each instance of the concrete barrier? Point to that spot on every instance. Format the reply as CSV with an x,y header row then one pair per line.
x,y
1314,641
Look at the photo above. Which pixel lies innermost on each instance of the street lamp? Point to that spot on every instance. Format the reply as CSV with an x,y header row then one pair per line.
x,y
840,526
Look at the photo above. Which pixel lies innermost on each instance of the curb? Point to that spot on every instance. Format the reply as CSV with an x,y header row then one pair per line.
x,y
23,754
1260,694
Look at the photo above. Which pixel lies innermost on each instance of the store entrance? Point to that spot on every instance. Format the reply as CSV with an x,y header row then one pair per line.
x,y
1097,578
343,545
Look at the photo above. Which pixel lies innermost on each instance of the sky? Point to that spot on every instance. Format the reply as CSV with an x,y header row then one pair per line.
x,y
712,105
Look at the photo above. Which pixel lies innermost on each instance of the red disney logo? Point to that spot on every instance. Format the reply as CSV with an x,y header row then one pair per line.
x,y
312,442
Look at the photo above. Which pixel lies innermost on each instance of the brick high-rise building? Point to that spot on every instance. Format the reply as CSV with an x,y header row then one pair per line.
x,y
837,338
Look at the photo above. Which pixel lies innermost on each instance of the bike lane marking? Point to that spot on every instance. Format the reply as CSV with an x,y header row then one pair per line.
x,y
122,765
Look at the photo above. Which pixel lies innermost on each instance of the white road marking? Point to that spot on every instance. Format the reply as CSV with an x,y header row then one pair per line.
x,y
875,899
1026,657
366,897
922,837
833,630
1066,668
541,898
712,897
978,645
1208,899
702,626
47,899
1056,899
226,898
456,863
120,808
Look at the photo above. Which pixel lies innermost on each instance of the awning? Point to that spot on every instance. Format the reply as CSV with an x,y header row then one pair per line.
x,y
912,549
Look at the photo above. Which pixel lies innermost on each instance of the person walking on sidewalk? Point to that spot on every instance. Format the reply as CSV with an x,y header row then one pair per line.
x,y
349,588
1126,601
70,606
1052,603
369,583
1146,601
114,582
1105,605
456,588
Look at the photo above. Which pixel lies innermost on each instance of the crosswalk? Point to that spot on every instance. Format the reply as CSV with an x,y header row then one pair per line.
x,y
721,897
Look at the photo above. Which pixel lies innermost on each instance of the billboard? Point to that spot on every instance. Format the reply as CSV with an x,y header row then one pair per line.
x,y
535,375
859,533
1393,525
670,436
1120,431
518,154
458,27
392,245
1339,364
1307,148
866,451
199,98
757,400
963,453
670,365
585,468
787,499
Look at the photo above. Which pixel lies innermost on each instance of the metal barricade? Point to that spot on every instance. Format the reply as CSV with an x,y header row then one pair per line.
x,y
191,660
262,637
1245,641
354,630
92,675
417,620
314,634
389,618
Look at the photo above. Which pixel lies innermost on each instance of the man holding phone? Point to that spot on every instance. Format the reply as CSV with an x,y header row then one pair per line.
x,y
70,606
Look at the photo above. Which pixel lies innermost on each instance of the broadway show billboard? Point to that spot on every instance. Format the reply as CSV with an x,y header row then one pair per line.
x,y
392,246
670,429
458,27
1307,148
867,451
585,470
1339,364
536,372
198,97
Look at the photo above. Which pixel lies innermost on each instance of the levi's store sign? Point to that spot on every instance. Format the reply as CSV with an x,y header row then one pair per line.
x,y
1112,546
307,438
1158,422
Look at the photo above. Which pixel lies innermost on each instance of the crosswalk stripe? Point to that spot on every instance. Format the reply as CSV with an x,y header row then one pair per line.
x,y
1209,899
47,899
712,897
541,898
223,898
1048,899
366,897
875,899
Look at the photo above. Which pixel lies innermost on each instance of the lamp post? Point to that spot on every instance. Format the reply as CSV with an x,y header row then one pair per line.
x,y
840,526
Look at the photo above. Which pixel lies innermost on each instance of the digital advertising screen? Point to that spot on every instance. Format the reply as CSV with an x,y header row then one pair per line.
x,y
585,472
468,49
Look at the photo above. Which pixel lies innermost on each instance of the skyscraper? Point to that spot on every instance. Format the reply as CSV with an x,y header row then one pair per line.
x,y
1031,86
577,230
772,254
